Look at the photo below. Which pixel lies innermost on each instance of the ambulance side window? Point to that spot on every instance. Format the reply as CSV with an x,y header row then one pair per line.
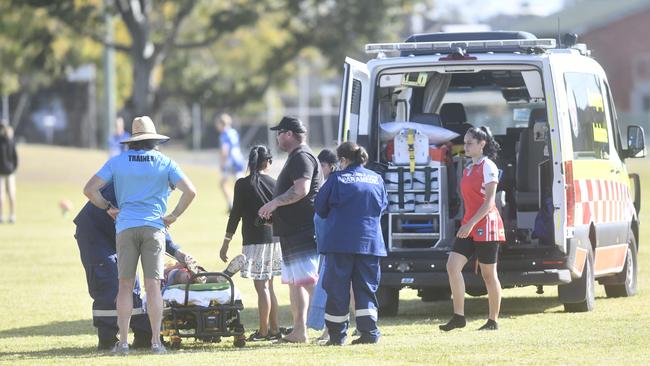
x,y
589,122
616,130
355,108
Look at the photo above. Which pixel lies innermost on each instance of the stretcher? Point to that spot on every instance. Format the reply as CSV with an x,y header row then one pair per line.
x,y
206,312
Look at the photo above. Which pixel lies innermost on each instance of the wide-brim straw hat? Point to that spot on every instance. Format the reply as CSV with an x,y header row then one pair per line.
x,y
143,129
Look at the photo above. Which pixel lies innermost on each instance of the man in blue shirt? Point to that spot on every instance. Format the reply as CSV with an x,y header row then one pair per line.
x,y
231,159
352,200
95,235
142,177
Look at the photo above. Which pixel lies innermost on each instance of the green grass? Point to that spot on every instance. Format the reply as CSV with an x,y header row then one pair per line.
x,y
45,311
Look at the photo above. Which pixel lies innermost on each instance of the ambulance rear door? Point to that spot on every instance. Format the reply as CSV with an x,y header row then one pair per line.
x,y
354,110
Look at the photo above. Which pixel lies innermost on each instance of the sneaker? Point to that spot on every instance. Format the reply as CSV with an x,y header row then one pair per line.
x,y
274,337
235,265
257,337
456,321
356,333
12,219
285,330
489,325
158,349
120,349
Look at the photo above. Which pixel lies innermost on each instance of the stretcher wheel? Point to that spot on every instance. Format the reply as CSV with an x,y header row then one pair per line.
x,y
239,342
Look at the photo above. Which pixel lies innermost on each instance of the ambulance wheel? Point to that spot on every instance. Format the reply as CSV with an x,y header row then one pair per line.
x,y
388,299
628,275
239,342
583,288
476,291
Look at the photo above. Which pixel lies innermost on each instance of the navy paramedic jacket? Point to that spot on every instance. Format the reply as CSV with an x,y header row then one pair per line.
x,y
96,222
352,201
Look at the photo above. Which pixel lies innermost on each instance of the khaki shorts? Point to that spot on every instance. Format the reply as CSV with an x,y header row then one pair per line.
x,y
145,242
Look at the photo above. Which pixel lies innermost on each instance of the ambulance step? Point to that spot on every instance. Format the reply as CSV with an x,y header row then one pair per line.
x,y
415,235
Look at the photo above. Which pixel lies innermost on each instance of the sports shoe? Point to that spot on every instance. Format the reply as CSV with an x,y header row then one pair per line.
x,y
456,321
490,325
257,337
274,337
120,349
158,349
235,265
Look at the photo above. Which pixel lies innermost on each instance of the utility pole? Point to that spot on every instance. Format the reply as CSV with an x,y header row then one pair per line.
x,y
109,74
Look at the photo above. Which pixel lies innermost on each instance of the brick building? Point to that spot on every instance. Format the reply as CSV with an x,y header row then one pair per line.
x,y
618,35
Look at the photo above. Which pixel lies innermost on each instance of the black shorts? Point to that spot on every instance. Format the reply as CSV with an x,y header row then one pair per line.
x,y
487,252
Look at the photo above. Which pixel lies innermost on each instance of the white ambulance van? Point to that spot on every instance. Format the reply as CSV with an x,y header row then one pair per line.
x,y
569,206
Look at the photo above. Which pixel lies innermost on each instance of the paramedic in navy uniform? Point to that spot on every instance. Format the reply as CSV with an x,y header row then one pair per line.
x,y
95,236
481,230
352,200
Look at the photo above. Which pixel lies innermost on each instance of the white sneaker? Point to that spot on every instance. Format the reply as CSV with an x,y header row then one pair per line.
x,y
120,349
158,349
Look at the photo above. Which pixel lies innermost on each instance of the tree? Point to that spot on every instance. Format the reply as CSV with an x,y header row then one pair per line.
x,y
223,53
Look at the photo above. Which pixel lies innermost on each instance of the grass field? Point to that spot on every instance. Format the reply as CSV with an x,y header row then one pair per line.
x,y
45,311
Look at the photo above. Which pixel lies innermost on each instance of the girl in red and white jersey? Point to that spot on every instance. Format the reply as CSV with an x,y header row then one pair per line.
x,y
481,229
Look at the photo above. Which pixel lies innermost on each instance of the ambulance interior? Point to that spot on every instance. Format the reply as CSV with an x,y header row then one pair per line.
x,y
510,101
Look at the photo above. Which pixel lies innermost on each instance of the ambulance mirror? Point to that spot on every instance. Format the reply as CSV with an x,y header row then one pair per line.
x,y
635,142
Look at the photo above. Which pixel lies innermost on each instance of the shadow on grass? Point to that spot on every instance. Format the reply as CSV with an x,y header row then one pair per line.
x,y
415,310
61,328
63,352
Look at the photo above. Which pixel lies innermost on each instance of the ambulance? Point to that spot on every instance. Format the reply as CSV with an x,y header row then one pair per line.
x,y
569,205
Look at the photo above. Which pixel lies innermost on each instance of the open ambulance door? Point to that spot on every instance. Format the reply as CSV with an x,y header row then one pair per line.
x,y
354,110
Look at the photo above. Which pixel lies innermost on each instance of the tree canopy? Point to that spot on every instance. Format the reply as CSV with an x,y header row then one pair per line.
x,y
221,53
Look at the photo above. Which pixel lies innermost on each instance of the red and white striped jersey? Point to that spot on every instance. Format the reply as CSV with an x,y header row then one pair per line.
x,y
472,188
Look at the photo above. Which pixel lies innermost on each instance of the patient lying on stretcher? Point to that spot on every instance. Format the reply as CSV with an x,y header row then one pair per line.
x,y
178,273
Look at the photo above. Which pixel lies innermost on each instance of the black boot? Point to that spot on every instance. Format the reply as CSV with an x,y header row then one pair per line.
x,y
141,340
456,321
106,344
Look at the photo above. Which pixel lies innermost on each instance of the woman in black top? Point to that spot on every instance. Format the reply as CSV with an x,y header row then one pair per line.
x,y
263,253
8,165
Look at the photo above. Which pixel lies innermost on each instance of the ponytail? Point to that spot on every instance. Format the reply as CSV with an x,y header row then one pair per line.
x,y
257,157
483,133
354,153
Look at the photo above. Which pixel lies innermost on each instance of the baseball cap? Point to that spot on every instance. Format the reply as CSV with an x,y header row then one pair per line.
x,y
289,123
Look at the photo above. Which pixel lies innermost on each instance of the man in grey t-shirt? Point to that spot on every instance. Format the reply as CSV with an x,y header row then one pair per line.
x,y
292,209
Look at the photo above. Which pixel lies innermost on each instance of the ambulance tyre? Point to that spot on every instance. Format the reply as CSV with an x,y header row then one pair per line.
x,y
628,275
582,288
476,291
388,299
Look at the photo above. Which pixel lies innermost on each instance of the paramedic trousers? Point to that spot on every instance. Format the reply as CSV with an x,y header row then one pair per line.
x,y
99,259
363,272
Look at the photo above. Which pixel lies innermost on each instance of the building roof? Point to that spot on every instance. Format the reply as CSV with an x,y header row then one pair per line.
x,y
578,18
